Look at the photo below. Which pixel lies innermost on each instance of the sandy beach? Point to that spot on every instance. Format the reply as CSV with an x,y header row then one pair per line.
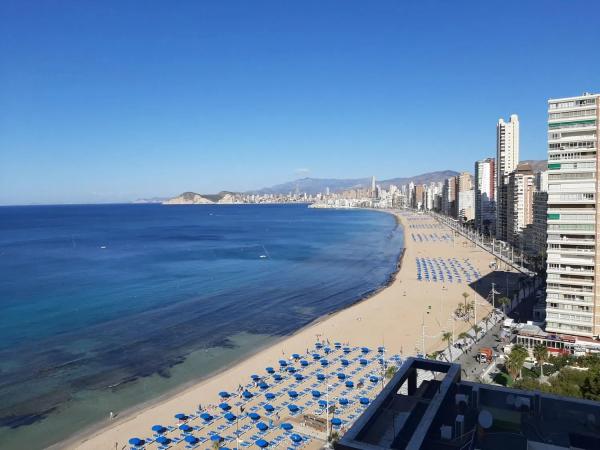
x,y
392,317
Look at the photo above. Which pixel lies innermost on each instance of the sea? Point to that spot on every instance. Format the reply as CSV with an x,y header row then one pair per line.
x,y
105,307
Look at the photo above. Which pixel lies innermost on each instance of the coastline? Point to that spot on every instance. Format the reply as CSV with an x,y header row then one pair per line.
x,y
373,320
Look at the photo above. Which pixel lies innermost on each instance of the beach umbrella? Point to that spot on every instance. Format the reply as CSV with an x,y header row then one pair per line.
x,y
163,440
381,349
316,394
374,379
363,362
324,362
263,385
316,356
292,394
277,377
364,401
230,417
270,370
365,350
344,362
298,377
327,350
262,443
254,416
287,426
136,442
185,428
341,376
304,363
216,438
295,356
181,416
337,345
291,369
268,407
320,377
282,362
343,401
191,439
323,403
336,421
255,377
247,394
349,384
293,408
269,396
224,394
159,429
225,406
206,417
319,345
262,426
346,349
296,437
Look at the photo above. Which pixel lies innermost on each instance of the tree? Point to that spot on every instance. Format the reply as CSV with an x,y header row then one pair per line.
x,y
390,371
590,389
504,302
447,338
540,353
476,329
465,296
459,311
516,360
464,335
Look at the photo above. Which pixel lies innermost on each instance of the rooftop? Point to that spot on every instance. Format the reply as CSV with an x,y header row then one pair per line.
x,y
427,406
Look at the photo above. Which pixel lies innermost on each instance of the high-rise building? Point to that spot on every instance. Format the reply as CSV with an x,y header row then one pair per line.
x,y
449,197
519,202
465,210
573,277
373,187
507,158
485,195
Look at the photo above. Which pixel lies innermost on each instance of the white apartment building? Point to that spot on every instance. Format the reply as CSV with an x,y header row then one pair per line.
x,y
507,159
485,195
573,278
519,206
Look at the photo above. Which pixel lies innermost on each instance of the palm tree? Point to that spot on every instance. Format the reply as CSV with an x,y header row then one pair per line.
x,y
390,371
504,302
540,353
476,329
464,335
465,296
447,337
515,360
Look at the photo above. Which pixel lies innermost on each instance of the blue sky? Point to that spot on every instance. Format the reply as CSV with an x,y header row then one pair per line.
x,y
113,101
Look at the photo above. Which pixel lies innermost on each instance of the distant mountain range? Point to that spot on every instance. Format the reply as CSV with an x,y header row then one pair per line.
x,y
316,185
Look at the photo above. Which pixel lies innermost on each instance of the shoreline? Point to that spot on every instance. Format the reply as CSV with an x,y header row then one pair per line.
x,y
380,317
135,410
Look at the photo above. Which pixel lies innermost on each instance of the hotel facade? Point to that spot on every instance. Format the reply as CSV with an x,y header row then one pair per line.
x,y
507,159
573,277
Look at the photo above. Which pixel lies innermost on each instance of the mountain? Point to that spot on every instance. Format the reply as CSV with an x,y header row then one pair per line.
x,y
192,198
537,165
316,185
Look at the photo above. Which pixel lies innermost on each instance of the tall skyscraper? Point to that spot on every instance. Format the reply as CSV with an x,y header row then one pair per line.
x,y
507,159
373,187
573,277
485,195
519,203
465,197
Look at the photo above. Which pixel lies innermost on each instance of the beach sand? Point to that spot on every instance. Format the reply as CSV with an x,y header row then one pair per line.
x,y
392,317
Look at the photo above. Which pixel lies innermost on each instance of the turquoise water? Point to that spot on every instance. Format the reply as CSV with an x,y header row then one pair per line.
x,y
107,306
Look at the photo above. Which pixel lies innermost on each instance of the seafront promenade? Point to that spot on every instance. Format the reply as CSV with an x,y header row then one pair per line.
x,y
407,317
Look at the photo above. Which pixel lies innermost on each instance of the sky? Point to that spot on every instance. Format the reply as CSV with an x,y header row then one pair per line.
x,y
111,101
